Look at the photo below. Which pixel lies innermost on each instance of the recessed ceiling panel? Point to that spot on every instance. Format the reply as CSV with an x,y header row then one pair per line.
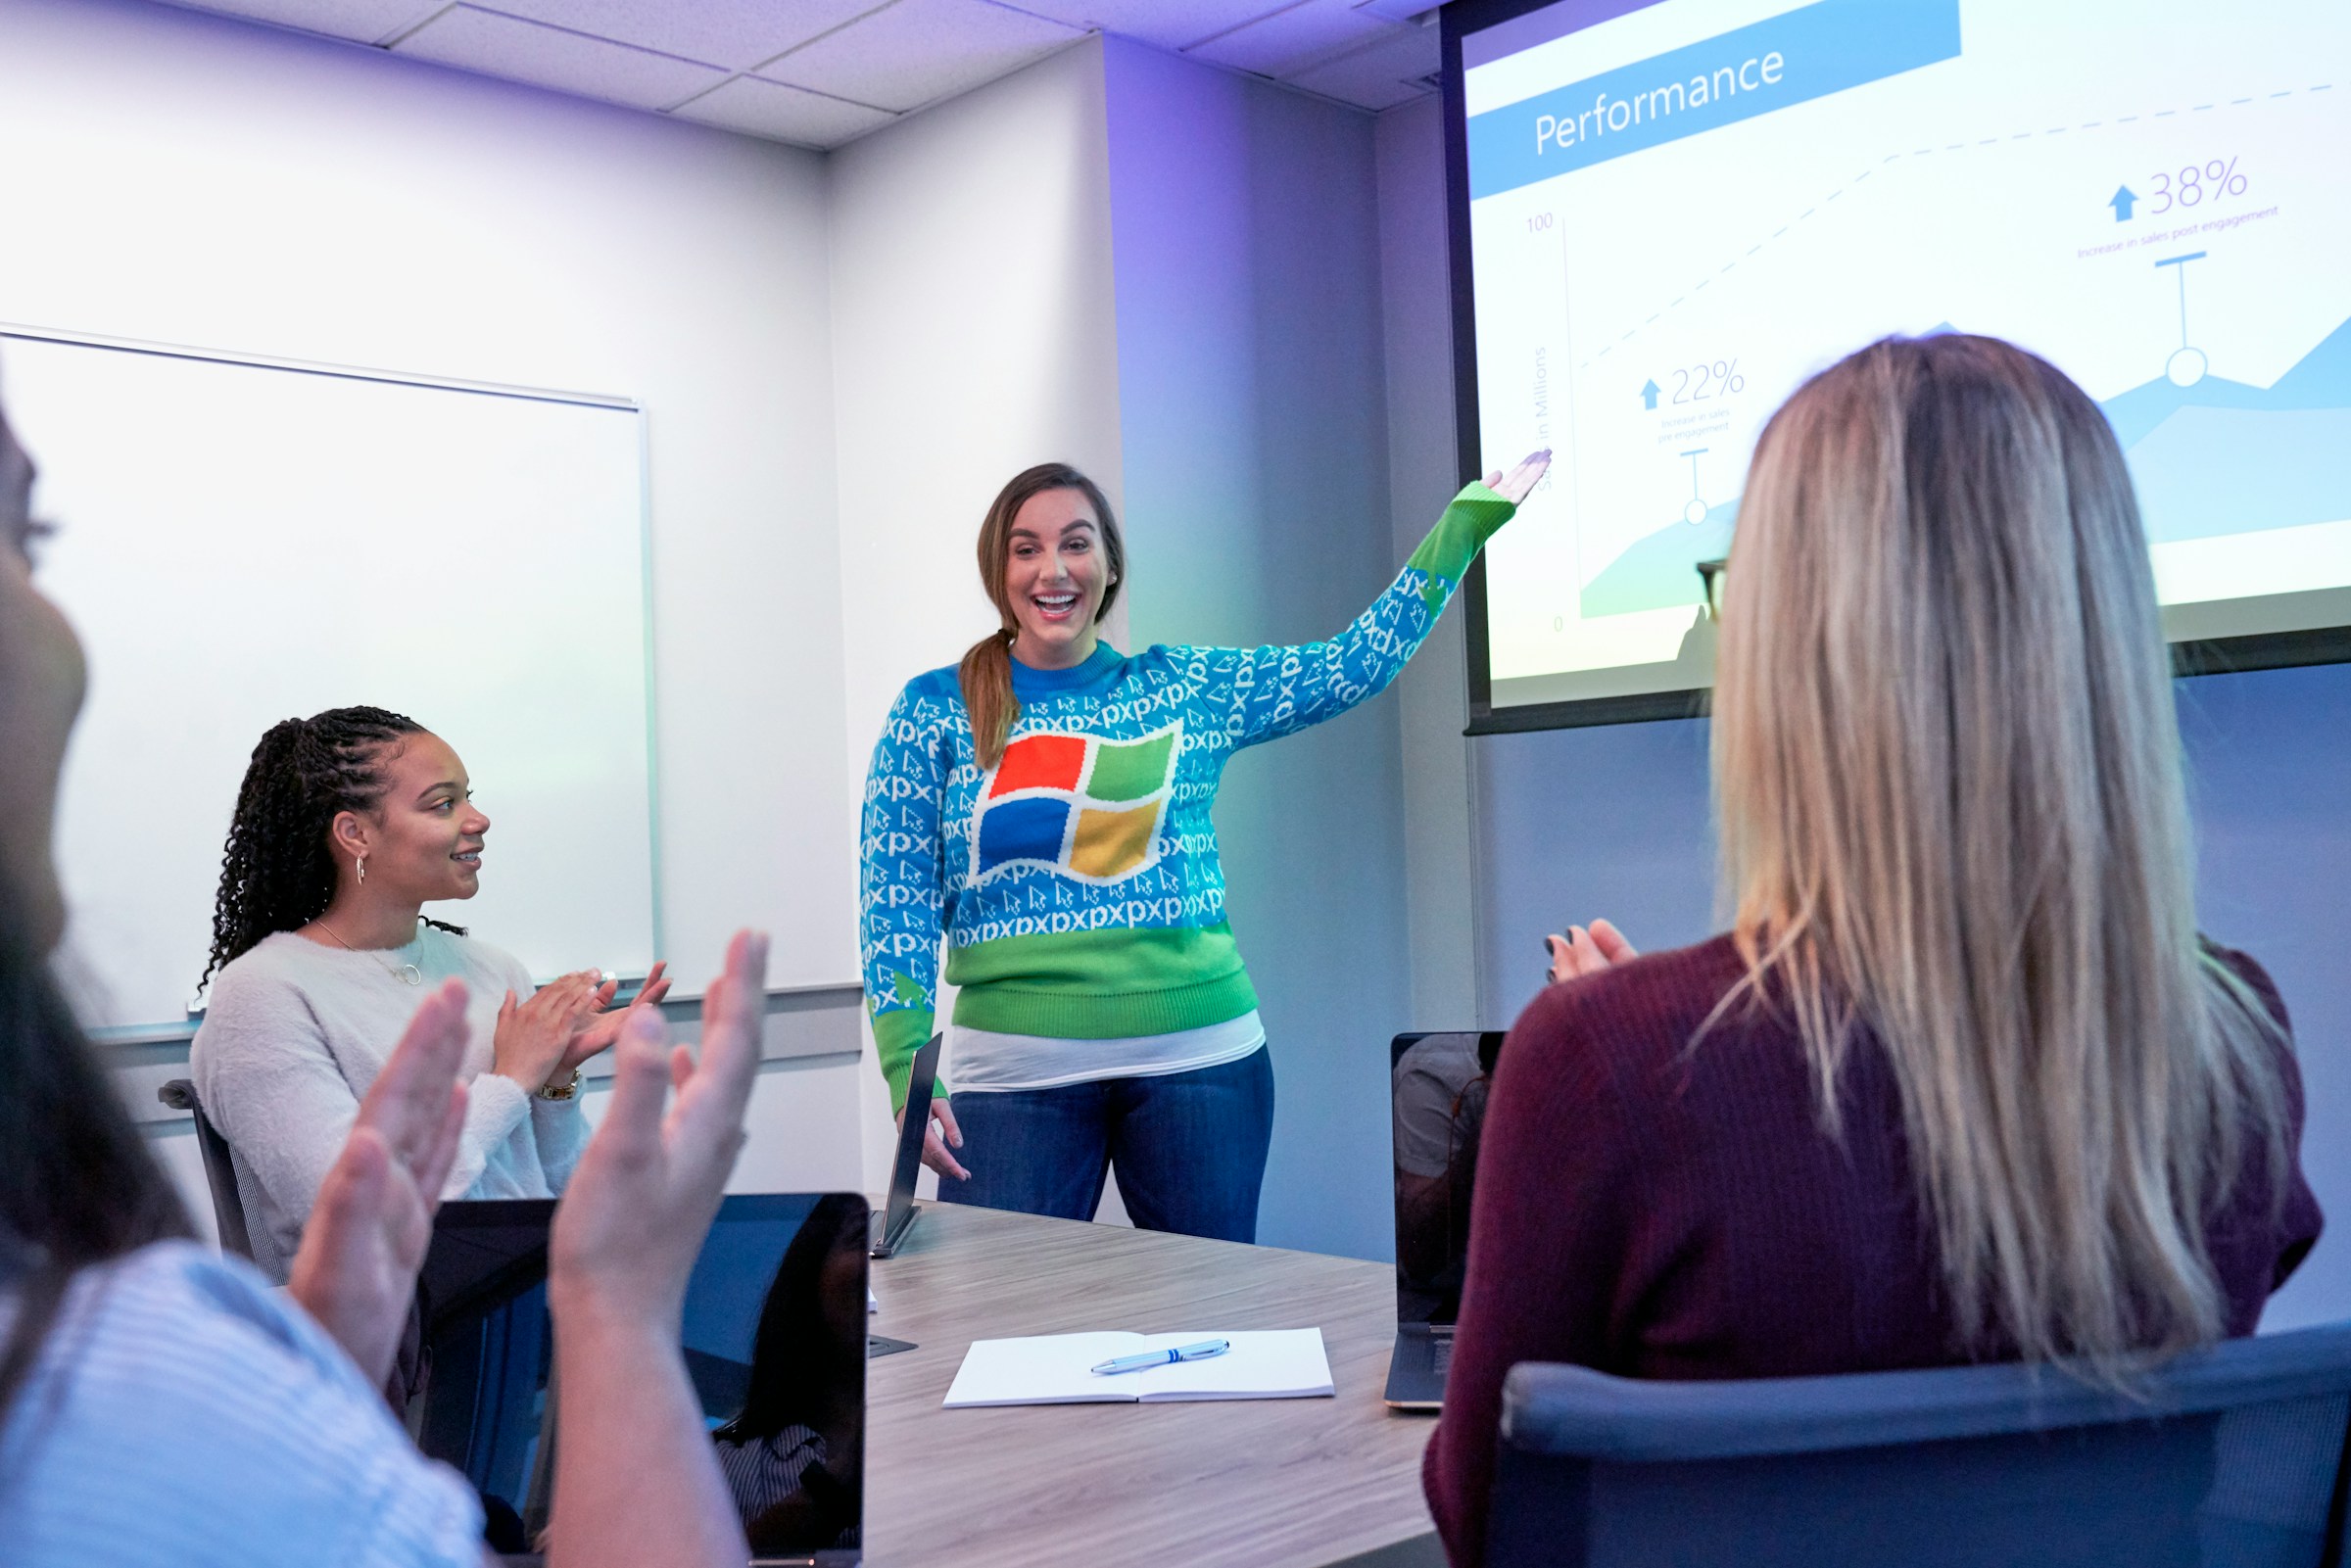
x,y
1387,74
549,57
1292,41
359,21
735,34
779,113
1170,24
919,50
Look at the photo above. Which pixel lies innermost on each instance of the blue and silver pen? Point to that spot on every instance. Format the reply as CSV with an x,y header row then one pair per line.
x,y
1166,1358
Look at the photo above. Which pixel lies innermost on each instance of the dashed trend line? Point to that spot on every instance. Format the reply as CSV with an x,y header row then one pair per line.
x,y
1923,152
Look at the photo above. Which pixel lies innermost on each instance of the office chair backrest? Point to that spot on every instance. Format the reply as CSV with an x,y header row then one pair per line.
x,y
2232,1455
219,1166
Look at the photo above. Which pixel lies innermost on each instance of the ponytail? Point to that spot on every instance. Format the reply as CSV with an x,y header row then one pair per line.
x,y
986,673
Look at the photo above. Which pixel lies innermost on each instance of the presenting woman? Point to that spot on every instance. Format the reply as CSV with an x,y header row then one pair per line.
x,y
1044,808
348,824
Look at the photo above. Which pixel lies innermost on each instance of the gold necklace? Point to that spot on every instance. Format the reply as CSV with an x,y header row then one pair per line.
x,y
405,973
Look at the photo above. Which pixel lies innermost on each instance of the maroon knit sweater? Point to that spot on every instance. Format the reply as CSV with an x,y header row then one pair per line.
x,y
1660,1213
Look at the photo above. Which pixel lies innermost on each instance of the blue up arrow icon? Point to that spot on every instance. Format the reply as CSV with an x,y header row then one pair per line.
x,y
2122,201
1649,395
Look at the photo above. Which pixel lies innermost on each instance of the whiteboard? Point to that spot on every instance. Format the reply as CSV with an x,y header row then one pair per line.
x,y
242,543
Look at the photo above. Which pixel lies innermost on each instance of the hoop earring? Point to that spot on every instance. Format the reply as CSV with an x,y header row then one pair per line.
x,y
361,866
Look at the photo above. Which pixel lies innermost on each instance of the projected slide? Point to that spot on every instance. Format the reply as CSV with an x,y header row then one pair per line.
x,y
1679,214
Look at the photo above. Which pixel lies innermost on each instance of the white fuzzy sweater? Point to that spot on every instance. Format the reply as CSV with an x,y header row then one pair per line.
x,y
293,1036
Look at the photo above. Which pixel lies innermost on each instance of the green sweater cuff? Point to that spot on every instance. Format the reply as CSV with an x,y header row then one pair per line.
x,y
1474,516
897,1034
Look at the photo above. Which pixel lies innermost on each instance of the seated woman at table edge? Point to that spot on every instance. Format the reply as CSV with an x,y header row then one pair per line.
x,y
1042,810
346,824
162,1403
1962,1082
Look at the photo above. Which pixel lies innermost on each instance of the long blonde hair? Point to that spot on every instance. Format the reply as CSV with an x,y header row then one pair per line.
x,y
1946,771
986,671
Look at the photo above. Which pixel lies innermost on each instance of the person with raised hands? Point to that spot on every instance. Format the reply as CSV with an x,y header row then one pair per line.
x,y
159,1403
346,824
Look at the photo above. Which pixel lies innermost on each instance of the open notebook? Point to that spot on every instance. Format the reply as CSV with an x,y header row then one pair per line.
x,y
1057,1369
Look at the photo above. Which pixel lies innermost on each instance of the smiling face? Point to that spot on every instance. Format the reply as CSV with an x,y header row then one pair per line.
x,y
41,681
1056,574
423,836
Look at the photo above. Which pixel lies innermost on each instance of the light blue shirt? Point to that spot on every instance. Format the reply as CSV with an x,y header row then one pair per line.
x,y
183,1412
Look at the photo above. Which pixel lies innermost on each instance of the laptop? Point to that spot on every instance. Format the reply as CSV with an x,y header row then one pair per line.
x,y
773,1334
898,1210
1437,1105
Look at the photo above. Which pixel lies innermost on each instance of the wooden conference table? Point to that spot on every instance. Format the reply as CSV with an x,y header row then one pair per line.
x,y
1308,1482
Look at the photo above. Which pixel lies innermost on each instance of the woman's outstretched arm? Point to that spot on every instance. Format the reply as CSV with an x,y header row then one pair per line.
x,y
1279,689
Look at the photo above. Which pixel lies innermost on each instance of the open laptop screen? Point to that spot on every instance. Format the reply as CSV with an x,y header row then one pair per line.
x,y
1438,1097
774,1339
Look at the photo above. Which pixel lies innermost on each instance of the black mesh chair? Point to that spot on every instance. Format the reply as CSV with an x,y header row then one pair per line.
x,y
2232,1455
219,1166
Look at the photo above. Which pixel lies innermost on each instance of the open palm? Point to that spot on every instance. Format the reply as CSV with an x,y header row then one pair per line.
x,y
356,1271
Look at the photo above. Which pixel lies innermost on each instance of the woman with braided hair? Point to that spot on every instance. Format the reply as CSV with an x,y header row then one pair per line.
x,y
349,823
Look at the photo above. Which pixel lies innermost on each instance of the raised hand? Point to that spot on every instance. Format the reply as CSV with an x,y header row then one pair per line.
x,y
356,1271
1586,952
642,1198
1519,483
637,1480
601,1026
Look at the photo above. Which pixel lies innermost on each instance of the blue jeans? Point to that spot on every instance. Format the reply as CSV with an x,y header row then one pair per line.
x,y
1189,1148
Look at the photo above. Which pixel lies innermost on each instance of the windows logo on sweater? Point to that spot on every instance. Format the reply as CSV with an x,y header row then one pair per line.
x,y
1076,805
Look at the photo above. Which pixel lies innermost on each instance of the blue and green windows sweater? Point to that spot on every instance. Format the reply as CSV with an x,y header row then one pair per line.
x,y
1075,886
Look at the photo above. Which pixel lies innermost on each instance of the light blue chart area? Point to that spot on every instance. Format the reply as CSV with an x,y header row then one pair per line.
x,y
2211,459
1680,213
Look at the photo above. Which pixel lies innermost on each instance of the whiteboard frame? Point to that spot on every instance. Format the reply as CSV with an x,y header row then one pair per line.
x,y
486,389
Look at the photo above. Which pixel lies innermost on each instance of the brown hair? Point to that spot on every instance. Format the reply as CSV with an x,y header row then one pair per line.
x,y
1948,779
987,669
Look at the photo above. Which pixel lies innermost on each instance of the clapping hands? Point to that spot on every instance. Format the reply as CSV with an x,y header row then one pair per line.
x,y
1586,952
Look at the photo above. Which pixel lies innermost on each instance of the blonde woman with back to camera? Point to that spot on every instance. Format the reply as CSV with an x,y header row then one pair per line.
x,y
1962,1082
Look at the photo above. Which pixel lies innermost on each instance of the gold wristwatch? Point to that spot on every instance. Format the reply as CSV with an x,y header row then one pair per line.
x,y
570,1089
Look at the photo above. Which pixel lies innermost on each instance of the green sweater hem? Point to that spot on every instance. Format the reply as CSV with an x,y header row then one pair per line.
x,y
1101,985
1074,1016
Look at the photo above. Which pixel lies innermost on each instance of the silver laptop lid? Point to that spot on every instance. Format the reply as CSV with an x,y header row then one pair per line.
x,y
1437,1085
908,1165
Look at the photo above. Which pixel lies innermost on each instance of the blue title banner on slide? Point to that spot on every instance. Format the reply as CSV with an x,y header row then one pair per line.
x,y
1804,54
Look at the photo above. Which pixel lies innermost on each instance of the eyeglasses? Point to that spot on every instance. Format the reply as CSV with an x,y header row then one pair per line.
x,y
1711,574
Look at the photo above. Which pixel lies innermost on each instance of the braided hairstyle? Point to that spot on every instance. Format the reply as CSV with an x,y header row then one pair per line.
x,y
276,871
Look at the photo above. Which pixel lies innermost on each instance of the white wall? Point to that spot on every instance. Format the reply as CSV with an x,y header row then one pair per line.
x,y
1254,417
177,178
1433,696
974,335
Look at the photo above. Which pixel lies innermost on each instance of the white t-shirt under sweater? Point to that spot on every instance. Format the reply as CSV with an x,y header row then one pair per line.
x,y
293,1036
980,1061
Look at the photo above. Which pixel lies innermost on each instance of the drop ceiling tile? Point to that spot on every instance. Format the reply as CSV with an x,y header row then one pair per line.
x,y
500,45
783,114
359,21
735,34
1292,41
1385,74
919,50
1175,25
